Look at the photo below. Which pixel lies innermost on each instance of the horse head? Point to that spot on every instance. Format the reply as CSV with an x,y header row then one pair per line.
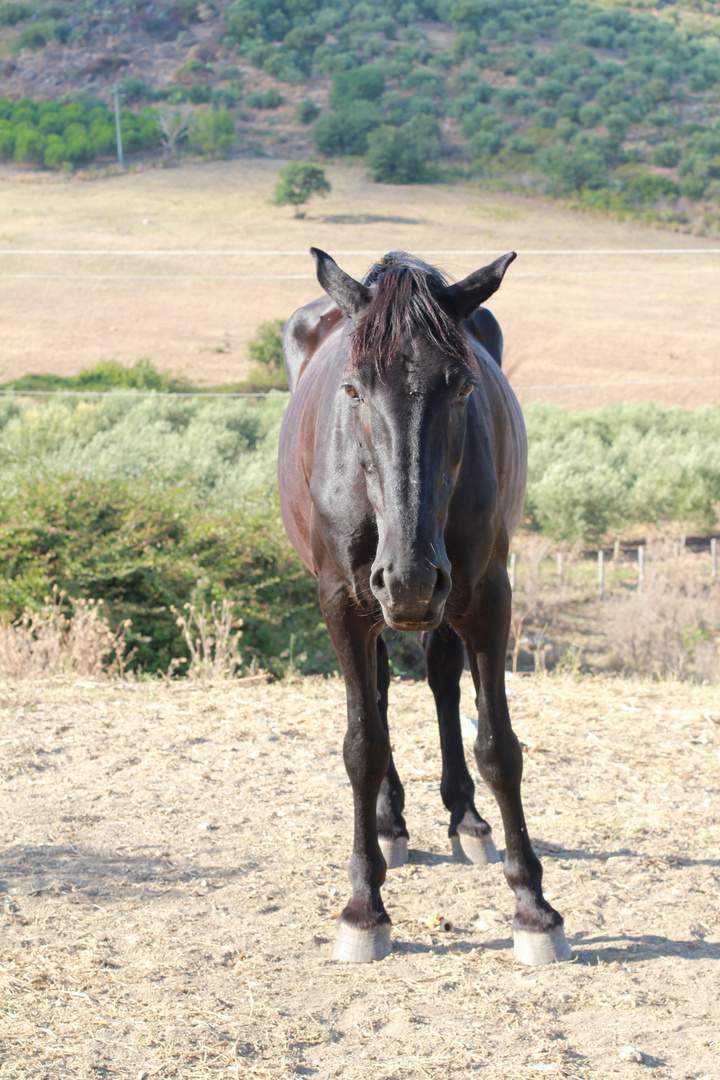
x,y
409,379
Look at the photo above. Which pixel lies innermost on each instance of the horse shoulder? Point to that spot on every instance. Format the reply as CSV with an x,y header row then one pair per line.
x,y
304,331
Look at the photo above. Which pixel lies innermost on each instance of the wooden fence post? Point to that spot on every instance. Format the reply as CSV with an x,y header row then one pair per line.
x,y
601,574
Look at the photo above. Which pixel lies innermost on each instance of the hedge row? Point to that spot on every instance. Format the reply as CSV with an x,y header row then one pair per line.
x,y
52,134
155,503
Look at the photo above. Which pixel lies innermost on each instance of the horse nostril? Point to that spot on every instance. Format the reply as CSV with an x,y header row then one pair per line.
x,y
443,582
377,581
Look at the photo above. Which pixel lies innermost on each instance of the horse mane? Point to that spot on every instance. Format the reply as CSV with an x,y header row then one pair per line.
x,y
405,301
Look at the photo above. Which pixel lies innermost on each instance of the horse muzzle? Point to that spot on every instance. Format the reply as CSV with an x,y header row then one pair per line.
x,y
411,598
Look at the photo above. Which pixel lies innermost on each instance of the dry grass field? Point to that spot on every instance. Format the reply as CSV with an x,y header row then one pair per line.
x,y
173,858
626,326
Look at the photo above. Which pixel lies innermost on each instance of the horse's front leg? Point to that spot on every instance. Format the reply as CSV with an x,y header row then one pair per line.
x,y
392,831
363,925
469,833
537,928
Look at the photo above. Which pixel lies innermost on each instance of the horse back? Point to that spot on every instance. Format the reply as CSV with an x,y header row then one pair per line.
x,y
485,328
304,332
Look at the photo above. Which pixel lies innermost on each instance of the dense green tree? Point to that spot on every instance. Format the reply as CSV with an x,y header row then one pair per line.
x,y
297,183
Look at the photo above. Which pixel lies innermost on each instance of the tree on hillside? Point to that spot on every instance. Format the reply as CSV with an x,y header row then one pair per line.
x,y
297,183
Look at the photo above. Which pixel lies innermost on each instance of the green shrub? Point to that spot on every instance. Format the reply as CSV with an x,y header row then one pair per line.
x,y
29,145
7,142
265,348
199,94
214,131
12,13
667,154
395,156
346,132
648,188
56,152
133,89
366,83
270,99
307,111
36,36
590,115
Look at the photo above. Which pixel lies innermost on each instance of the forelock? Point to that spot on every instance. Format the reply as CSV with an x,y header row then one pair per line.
x,y
405,303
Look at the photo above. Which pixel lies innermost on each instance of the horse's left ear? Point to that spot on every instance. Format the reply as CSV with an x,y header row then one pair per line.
x,y
462,299
350,295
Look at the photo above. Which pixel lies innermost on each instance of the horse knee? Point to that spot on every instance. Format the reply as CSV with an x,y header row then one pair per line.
x,y
366,752
445,660
500,763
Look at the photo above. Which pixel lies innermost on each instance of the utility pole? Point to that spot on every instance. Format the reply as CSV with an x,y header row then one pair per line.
x,y
118,132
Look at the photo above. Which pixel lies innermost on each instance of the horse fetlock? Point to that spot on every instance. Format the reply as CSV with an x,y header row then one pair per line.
x,y
367,874
391,826
534,913
465,818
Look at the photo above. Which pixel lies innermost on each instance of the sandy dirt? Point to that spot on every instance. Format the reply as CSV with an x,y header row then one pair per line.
x,y
173,859
580,330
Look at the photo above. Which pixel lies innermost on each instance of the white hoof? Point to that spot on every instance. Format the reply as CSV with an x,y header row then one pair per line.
x,y
541,948
478,849
395,851
356,946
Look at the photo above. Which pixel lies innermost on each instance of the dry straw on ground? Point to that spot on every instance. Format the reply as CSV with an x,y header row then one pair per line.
x,y
174,857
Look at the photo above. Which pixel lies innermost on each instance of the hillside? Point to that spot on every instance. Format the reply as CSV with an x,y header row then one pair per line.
x,y
609,105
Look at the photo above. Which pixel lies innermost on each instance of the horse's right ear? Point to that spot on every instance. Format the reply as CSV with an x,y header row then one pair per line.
x,y
350,295
462,299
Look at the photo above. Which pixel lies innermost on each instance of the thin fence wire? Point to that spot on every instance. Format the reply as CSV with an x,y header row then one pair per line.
x,y
274,393
219,253
122,392
372,253
311,277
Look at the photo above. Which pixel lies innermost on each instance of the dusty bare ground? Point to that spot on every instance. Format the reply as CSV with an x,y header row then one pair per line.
x,y
627,324
174,857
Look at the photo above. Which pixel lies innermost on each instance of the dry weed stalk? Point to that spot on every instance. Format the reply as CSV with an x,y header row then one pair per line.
x,y
48,642
670,628
214,648
535,604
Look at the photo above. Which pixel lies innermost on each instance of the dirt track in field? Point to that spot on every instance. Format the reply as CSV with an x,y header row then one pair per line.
x,y
624,328
173,858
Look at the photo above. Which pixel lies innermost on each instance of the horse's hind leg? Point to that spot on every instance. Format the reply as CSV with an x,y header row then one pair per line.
x,y
468,832
392,833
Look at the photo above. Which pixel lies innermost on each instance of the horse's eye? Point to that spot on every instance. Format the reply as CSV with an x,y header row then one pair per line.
x,y
466,389
351,391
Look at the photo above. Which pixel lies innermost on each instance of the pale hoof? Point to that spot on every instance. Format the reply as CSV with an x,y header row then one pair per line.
x,y
395,850
356,946
478,849
541,948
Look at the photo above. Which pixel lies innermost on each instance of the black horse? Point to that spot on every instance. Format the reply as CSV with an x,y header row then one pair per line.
x,y
403,461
